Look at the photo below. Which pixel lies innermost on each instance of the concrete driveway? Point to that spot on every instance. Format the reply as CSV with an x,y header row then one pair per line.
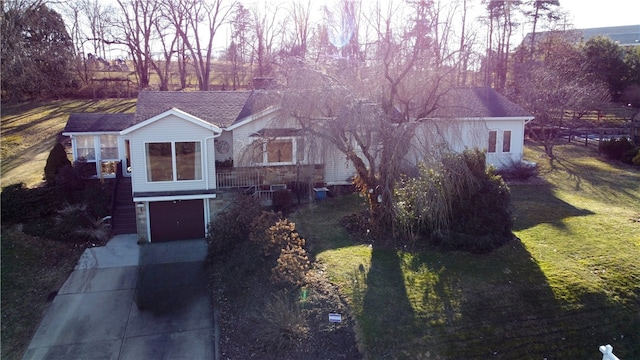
x,y
130,301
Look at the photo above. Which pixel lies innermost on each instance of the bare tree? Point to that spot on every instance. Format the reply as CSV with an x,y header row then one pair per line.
x,y
168,41
371,116
177,12
197,24
557,89
299,35
266,29
135,30
238,51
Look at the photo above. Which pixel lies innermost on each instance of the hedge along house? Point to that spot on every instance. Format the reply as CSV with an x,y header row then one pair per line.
x,y
187,154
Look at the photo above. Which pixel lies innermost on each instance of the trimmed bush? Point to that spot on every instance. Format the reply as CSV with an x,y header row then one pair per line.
x,y
259,229
615,148
636,159
22,204
233,226
282,201
519,171
628,156
293,262
57,160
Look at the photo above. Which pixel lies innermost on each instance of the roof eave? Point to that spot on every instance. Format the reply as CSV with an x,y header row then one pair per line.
x,y
252,117
526,119
177,112
76,133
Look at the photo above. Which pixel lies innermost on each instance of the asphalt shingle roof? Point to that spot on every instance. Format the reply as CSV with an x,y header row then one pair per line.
x,y
224,108
220,108
476,103
98,122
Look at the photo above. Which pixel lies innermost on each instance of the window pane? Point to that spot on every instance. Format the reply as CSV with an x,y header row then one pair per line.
x,y
280,151
85,147
159,162
108,147
506,141
188,161
492,141
109,167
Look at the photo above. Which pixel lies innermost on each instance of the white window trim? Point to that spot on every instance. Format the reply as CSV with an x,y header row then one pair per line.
x,y
97,151
174,163
500,141
510,142
294,150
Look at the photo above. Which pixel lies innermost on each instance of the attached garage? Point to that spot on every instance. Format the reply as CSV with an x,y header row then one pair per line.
x,y
177,220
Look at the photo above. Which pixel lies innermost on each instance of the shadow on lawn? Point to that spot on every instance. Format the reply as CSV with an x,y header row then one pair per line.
x,y
500,305
534,205
51,116
588,176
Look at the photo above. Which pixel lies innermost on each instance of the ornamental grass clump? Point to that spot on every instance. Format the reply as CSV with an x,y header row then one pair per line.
x,y
456,204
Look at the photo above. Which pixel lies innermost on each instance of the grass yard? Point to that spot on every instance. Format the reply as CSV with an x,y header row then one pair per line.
x,y
29,130
32,268
570,284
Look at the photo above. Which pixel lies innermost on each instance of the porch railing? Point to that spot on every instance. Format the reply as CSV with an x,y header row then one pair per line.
x,y
238,178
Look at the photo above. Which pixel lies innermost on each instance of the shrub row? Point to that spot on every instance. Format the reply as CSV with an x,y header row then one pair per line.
x,y
621,149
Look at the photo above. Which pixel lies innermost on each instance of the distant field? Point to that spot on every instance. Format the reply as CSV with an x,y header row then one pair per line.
x,y
30,129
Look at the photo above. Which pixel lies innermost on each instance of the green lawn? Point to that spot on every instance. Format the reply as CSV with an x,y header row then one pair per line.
x,y
570,284
30,129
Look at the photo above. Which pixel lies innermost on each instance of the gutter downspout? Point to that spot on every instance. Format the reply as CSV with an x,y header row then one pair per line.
x,y
206,159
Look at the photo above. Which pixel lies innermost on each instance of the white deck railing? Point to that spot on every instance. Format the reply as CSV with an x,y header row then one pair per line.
x,y
237,179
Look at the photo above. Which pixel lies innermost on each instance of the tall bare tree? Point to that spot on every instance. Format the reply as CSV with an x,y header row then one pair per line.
x,y
300,33
238,52
370,116
557,89
136,28
177,12
267,28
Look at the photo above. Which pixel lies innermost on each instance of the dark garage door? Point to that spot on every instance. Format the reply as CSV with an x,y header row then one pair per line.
x,y
177,220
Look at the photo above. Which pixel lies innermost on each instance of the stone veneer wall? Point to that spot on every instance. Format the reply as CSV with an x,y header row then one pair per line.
x,y
141,221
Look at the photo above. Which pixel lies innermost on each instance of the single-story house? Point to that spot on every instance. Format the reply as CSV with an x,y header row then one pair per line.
x,y
184,152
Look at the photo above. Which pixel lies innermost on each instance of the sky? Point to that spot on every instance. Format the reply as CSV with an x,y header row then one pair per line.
x,y
602,13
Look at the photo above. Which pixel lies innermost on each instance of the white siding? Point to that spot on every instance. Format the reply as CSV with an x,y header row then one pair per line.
x,y
468,134
227,137
171,129
242,138
499,158
337,169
